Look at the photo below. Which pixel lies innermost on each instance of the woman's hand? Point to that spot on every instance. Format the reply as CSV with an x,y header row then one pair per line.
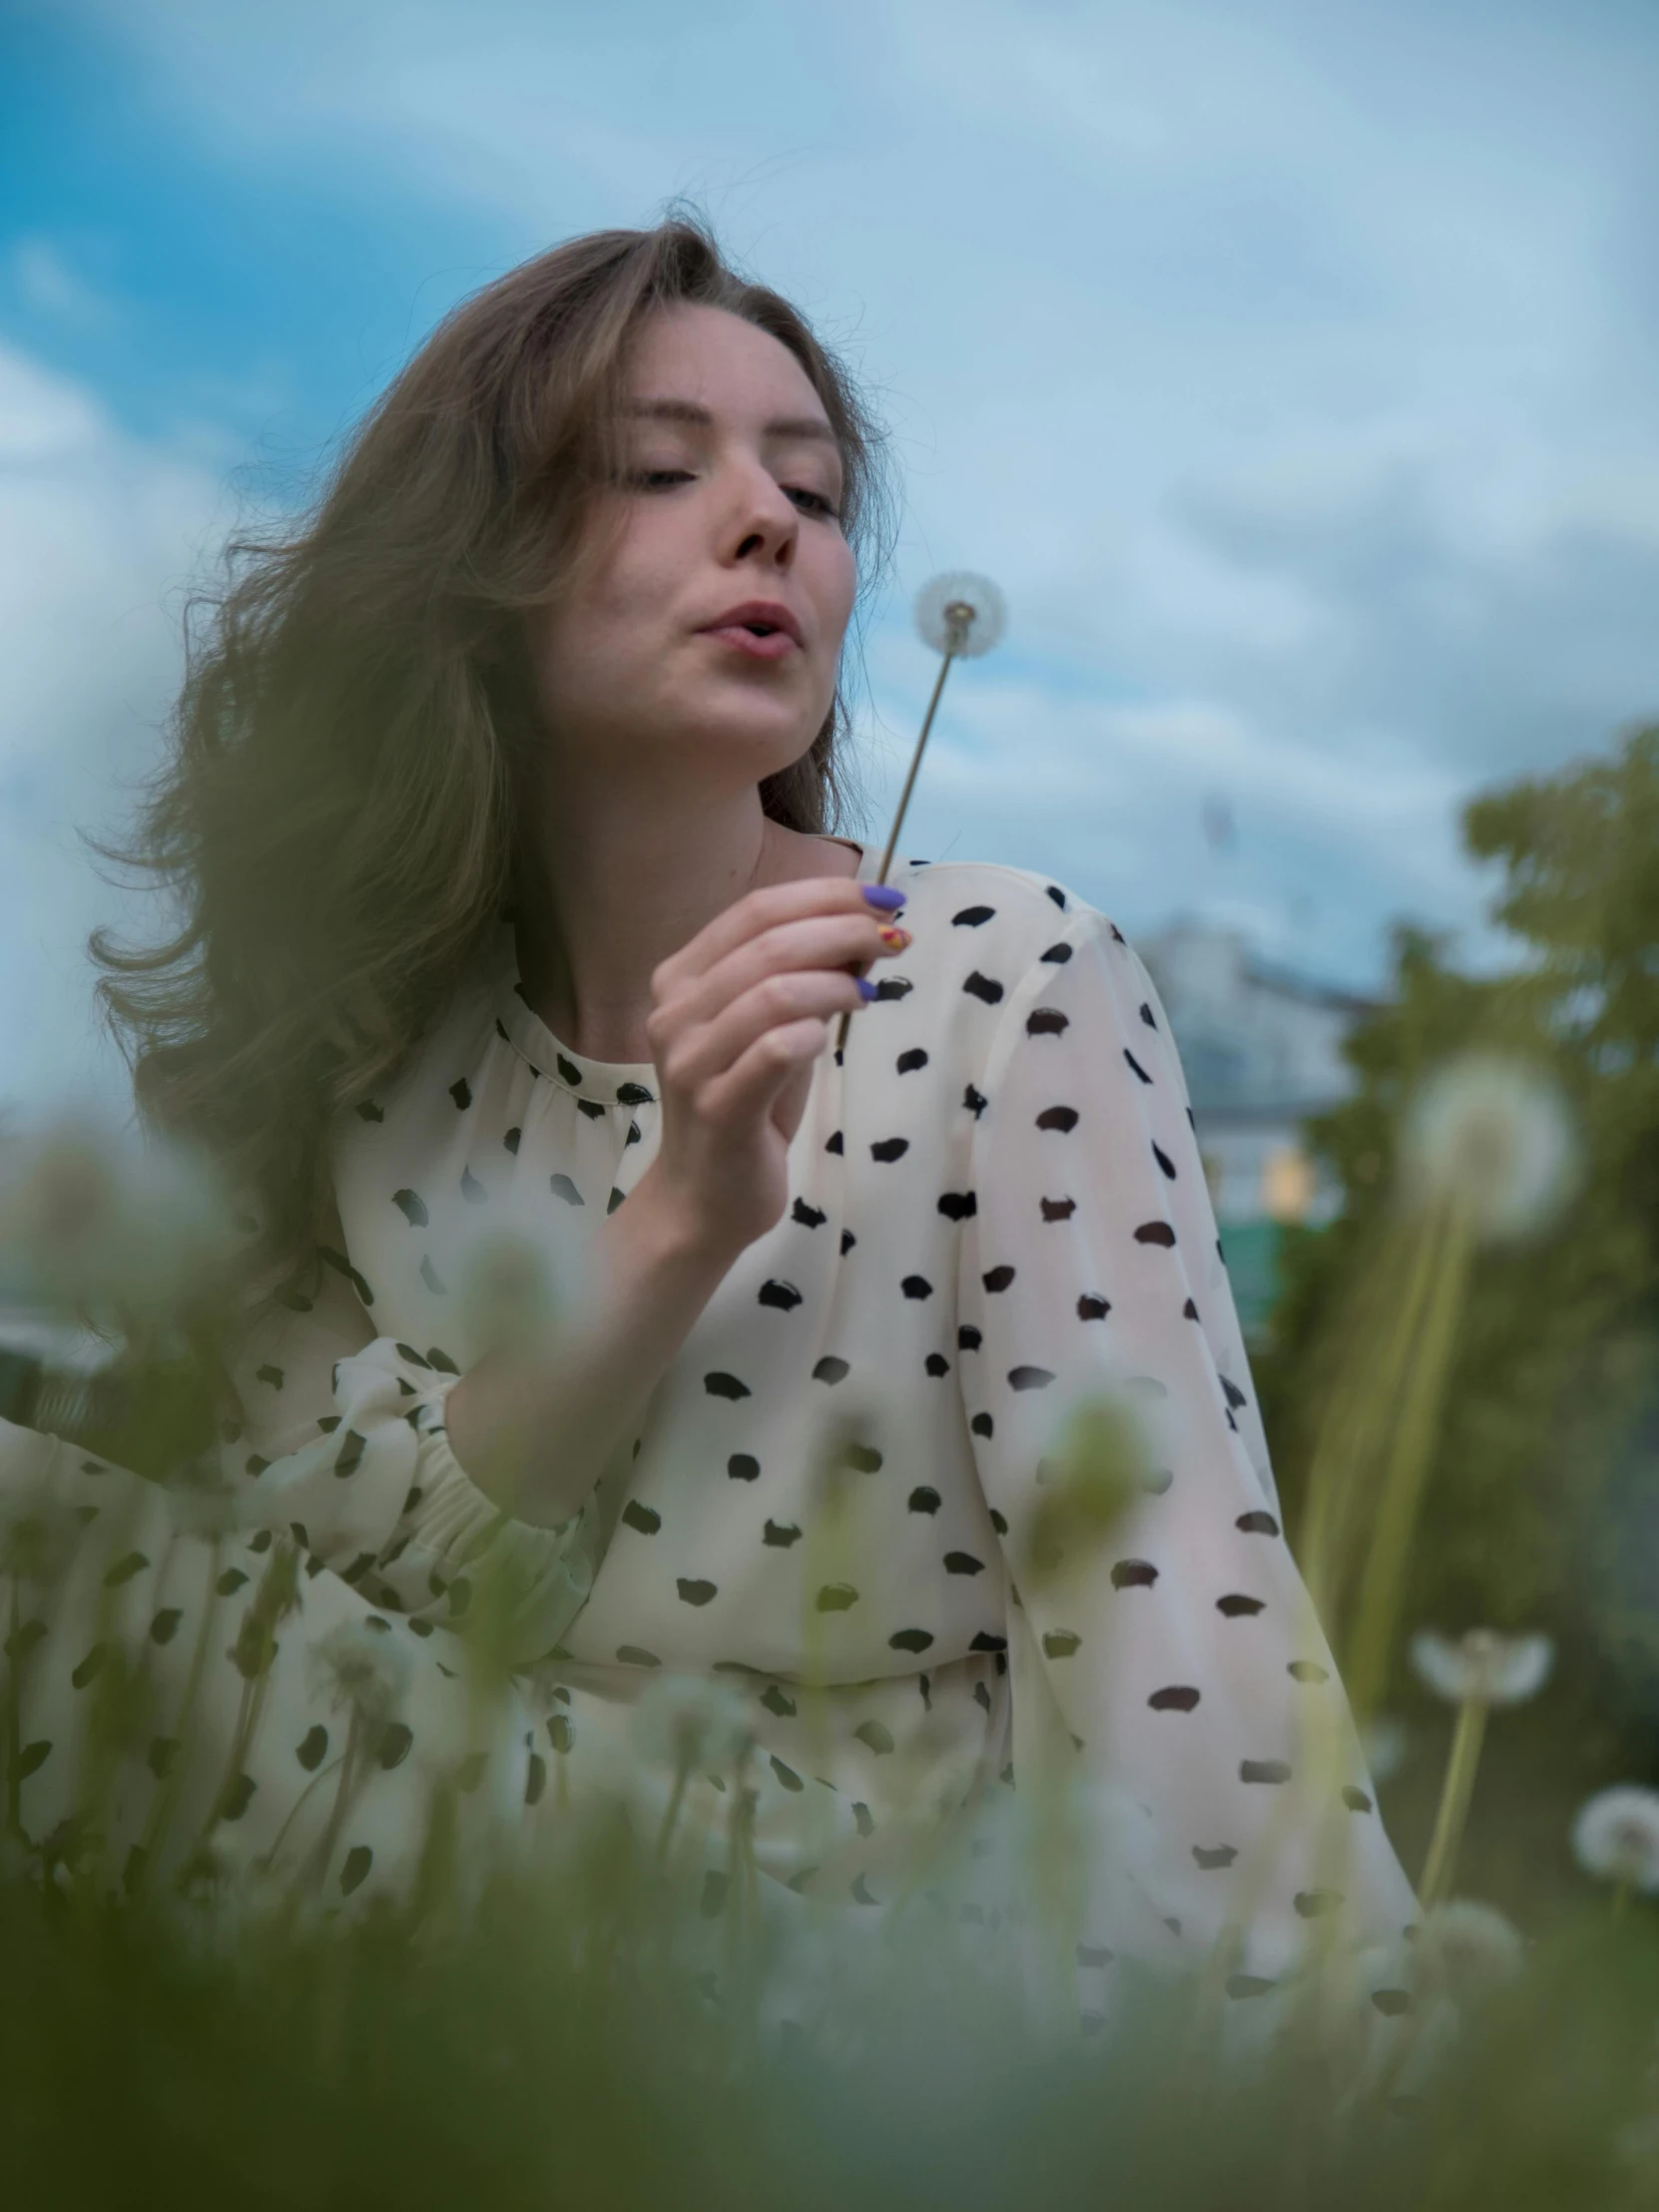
x,y
738,1018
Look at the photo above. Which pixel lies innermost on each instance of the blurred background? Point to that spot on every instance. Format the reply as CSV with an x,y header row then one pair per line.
x,y
1292,367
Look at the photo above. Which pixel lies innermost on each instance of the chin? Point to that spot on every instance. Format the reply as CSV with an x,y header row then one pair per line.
x,y
765,735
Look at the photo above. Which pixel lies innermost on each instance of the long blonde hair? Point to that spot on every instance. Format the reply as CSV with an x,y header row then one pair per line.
x,y
335,811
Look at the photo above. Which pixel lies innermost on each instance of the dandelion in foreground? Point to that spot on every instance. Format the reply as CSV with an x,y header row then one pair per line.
x,y
1496,1670
1100,1468
508,1294
1491,1137
1384,1741
1616,1839
1471,1948
685,1721
87,1213
38,1537
363,1667
1481,1670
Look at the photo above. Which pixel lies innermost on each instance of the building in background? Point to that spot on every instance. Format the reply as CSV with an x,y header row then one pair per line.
x,y
1261,1047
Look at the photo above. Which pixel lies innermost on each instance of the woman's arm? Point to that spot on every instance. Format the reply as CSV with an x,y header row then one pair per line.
x,y
1187,1676
739,1016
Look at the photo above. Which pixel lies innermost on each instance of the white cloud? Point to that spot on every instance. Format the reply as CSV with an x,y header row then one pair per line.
x,y
1290,366
97,530
47,285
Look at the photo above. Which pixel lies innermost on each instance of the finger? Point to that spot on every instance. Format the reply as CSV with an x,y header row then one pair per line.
x,y
749,1086
708,1049
757,911
823,941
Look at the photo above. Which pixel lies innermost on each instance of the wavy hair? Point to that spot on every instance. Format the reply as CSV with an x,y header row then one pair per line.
x,y
335,813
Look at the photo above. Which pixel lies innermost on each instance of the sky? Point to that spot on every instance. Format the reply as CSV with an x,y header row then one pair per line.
x,y
1292,367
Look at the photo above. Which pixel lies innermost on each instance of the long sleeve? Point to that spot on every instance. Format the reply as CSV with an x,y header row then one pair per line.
x,y
344,1444
1178,1666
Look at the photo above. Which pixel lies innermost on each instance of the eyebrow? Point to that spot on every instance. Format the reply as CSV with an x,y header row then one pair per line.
x,y
687,410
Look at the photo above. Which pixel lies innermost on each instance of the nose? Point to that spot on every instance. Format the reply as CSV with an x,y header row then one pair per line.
x,y
763,524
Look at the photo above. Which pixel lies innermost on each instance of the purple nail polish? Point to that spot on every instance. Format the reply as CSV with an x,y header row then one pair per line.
x,y
866,990
884,896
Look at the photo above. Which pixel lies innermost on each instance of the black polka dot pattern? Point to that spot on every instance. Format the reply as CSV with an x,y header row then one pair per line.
x,y
996,1203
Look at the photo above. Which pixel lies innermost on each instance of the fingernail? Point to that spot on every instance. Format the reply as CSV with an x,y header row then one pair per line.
x,y
882,896
866,990
894,939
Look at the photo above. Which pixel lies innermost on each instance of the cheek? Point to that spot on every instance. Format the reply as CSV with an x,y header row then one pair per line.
x,y
835,578
592,637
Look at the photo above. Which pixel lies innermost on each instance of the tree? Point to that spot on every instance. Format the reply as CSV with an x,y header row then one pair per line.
x,y
1543,1502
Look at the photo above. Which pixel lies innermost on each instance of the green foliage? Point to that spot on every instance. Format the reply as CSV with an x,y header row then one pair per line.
x,y
1543,1501
365,2067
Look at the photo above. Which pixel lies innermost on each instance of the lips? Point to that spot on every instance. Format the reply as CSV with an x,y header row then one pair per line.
x,y
762,629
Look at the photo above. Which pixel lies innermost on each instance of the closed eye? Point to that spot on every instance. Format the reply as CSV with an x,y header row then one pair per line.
x,y
813,502
666,479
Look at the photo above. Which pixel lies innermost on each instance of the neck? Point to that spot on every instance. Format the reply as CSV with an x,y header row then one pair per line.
x,y
614,882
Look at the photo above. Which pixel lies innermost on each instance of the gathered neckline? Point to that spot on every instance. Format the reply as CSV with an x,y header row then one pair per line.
x,y
603,1082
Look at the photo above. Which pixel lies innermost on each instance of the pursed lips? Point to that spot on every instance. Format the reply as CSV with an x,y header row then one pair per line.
x,y
760,630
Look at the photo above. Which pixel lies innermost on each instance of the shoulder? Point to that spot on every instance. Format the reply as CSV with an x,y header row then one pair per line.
x,y
1015,914
1018,954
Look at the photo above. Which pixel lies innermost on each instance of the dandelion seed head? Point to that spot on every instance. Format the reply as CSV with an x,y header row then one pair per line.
x,y
1616,1837
87,1213
1472,1948
38,1537
1498,1670
508,1294
363,1667
960,612
687,1720
1385,1740
1492,1136
1097,1474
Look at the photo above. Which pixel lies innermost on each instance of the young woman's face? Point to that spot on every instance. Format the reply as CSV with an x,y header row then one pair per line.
x,y
708,636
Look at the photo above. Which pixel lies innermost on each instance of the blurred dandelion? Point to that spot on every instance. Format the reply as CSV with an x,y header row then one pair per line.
x,y
38,1536
363,1667
1498,1670
1477,1671
687,1721
1469,1949
1616,1838
1385,1740
507,1293
1100,1468
1490,1138
89,1218
1486,1153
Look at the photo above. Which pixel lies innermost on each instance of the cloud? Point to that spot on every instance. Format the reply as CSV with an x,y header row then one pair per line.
x,y
97,530
47,285
1291,367
1107,797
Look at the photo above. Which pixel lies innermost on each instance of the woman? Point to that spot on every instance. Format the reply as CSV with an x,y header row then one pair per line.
x,y
501,800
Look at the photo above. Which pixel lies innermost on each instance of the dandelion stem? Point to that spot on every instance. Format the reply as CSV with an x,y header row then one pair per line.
x,y
1381,1329
672,1813
904,795
14,1728
915,761
1407,1466
1621,1897
1455,1794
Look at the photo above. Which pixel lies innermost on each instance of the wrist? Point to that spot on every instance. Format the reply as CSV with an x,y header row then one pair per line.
x,y
663,1234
